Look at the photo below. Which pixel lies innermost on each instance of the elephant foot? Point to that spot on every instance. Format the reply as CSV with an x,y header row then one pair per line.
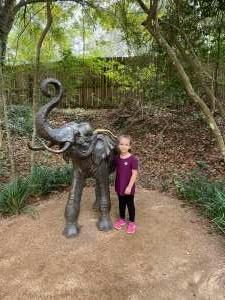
x,y
71,230
104,224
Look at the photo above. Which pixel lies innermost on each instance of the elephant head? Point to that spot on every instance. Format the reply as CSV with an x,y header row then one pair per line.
x,y
77,135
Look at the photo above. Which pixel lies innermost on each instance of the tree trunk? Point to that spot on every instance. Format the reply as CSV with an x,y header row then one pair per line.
x,y
217,68
201,76
4,113
7,16
155,32
36,75
151,24
191,92
6,21
8,11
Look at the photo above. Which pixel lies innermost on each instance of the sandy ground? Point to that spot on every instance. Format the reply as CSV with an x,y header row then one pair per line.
x,y
171,256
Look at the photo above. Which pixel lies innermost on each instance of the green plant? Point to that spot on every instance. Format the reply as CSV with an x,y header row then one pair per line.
x,y
14,195
62,176
40,180
165,185
202,164
111,179
13,198
44,179
20,119
207,195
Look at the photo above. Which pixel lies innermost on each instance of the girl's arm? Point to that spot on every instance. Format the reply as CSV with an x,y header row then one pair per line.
x,y
131,183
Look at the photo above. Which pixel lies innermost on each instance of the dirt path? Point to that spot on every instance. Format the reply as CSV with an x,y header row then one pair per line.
x,y
172,255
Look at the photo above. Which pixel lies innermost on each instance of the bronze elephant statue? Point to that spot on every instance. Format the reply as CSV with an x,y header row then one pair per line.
x,y
91,153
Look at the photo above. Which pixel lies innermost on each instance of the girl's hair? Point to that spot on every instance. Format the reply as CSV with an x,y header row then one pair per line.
x,y
126,136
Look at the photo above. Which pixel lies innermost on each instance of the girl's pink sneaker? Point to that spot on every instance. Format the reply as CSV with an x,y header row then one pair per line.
x,y
131,227
118,225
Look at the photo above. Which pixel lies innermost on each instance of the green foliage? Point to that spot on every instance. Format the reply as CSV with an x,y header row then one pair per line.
x,y
121,20
130,77
127,18
208,17
111,179
40,180
28,28
77,70
14,195
45,179
207,195
141,74
20,119
165,185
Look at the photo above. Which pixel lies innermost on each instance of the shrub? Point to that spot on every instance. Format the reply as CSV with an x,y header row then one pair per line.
x,y
62,176
40,180
20,119
15,194
44,179
13,197
208,195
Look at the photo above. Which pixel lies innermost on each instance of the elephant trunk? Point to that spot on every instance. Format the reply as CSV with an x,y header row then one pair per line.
x,y
43,127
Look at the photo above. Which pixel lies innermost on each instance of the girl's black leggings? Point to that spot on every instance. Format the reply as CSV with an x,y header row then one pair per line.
x,y
127,200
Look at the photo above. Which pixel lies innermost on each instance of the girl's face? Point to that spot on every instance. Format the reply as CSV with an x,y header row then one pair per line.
x,y
124,145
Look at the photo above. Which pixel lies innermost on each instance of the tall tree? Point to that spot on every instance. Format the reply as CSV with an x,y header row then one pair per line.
x,y
36,72
8,12
174,39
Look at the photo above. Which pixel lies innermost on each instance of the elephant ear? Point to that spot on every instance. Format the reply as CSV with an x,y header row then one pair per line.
x,y
104,147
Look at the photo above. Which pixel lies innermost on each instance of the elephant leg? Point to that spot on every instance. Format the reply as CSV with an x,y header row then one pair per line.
x,y
104,223
97,200
72,208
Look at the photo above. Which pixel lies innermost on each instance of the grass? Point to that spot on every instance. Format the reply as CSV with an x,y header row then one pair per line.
x,y
14,195
45,179
208,195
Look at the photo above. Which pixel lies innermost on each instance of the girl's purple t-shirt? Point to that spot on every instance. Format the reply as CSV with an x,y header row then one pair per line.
x,y
124,167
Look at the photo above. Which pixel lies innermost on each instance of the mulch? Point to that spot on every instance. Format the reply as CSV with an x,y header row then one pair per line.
x,y
167,142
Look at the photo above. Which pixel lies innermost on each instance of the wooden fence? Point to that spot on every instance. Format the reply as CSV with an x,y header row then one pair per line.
x,y
82,86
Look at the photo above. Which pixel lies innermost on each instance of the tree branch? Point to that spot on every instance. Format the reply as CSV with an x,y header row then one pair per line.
x,y
153,9
26,2
24,28
143,6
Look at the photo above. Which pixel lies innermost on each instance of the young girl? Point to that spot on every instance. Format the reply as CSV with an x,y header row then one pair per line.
x,y
126,166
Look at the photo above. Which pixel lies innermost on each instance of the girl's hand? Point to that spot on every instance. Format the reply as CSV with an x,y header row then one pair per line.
x,y
127,191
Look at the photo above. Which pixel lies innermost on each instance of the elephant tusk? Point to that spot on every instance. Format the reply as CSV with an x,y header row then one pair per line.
x,y
42,148
65,147
102,130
